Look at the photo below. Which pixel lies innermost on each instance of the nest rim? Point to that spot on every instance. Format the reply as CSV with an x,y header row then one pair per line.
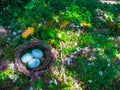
x,y
49,58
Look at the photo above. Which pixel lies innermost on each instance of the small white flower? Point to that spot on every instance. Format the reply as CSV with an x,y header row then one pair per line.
x,y
119,56
77,34
72,25
89,64
11,66
11,76
99,49
99,35
76,43
90,81
92,58
111,38
75,53
108,64
51,81
40,24
76,85
14,33
68,32
59,35
8,39
105,15
44,22
87,49
8,26
71,56
31,88
77,26
108,60
55,81
100,73
66,7
7,8
19,31
15,77
78,49
56,72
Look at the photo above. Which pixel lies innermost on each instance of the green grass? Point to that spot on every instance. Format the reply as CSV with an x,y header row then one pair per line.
x,y
59,24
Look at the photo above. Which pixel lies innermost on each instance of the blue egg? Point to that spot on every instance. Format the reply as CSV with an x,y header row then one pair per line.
x,y
37,53
34,63
26,58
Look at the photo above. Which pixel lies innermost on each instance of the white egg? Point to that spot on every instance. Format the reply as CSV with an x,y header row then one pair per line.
x,y
26,57
34,63
37,53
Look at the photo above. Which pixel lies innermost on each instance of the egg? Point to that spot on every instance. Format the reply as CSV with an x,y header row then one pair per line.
x,y
37,53
34,63
26,58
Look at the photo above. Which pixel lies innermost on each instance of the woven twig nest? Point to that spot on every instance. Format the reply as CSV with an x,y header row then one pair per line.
x,y
49,58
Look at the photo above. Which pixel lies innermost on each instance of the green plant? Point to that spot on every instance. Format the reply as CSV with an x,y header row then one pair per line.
x,y
60,23
9,52
85,40
3,42
75,14
97,74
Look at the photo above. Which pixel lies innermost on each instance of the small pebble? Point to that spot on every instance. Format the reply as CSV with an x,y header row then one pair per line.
x,y
71,56
14,33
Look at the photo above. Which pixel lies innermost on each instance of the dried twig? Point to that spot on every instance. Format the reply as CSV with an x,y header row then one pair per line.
x,y
63,62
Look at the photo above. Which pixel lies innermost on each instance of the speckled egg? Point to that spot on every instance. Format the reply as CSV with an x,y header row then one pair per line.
x,y
34,63
37,53
26,58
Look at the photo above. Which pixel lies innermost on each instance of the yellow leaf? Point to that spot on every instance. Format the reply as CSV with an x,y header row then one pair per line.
x,y
112,24
64,23
118,25
87,25
114,59
49,23
27,32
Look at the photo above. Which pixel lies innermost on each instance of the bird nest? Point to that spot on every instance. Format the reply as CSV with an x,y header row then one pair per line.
x,y
48,62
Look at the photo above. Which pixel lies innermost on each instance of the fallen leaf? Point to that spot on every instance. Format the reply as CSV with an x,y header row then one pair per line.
x,y
87,25
114,59
64,23
49,23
